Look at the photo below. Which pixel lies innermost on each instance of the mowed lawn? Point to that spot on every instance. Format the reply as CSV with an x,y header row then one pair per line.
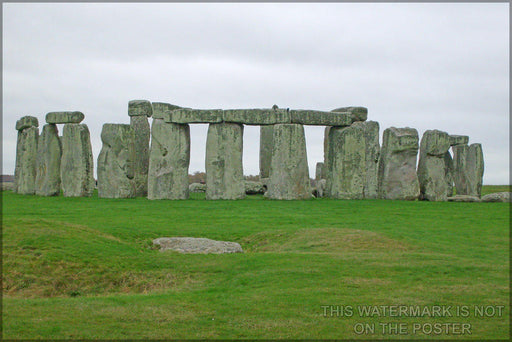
x,y
84,268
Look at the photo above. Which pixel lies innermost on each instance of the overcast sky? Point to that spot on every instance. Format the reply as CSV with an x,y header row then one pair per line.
x,y
427,66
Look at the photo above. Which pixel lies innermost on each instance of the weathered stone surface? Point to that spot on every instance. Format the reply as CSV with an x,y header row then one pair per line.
x,y
257,116
141,131
289,174
186,115
463,198
347,163
26,122
26,152
315,117
76,168
497,197
468,165
49,154
448,173
169,161
397,176
7,186
189,245
252,188
372,152
197,187
475,173
357,113
431,165
116,162
458,140
162,110
460,177
319,171
319,190
224,170
64,117
326,151
140,108
266,142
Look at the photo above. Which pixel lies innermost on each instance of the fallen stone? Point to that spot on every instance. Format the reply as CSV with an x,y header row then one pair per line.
x,y
347,163
76,169
372,152
463,198
315,117
253,188
26,122
257,116
185,116
197,187
169,161
141,136
431,165
140,108
116,162
49,154
319,171
289,173
397,176
64,117
357,113
266,142
189,245
162,110
26,156
497,197
224,170
458,140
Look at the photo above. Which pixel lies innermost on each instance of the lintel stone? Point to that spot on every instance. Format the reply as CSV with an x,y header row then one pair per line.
x,y
357,113
162,110
320,118
64,117
140,108
261,116
458,140
26,122
186,115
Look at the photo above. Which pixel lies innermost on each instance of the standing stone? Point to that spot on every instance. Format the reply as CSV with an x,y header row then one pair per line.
x,y
326,151
289,173
432,167
115,162
266,142
26,152
347,163
76,168
224,168
169,161
139,111
475,171
372,152
460,176
397,164
49,154
448,173
319,171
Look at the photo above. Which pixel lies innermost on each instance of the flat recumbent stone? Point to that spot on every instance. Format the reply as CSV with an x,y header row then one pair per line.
x,y
190,245
64,117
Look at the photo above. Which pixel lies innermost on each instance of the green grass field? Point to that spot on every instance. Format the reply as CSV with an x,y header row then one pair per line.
x,y
85,268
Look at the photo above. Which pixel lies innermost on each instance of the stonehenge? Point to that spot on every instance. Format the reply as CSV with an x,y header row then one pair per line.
x,y
76,168
116,162
289,173
397,178
224,170
26,155
142,160
168,160
49,154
